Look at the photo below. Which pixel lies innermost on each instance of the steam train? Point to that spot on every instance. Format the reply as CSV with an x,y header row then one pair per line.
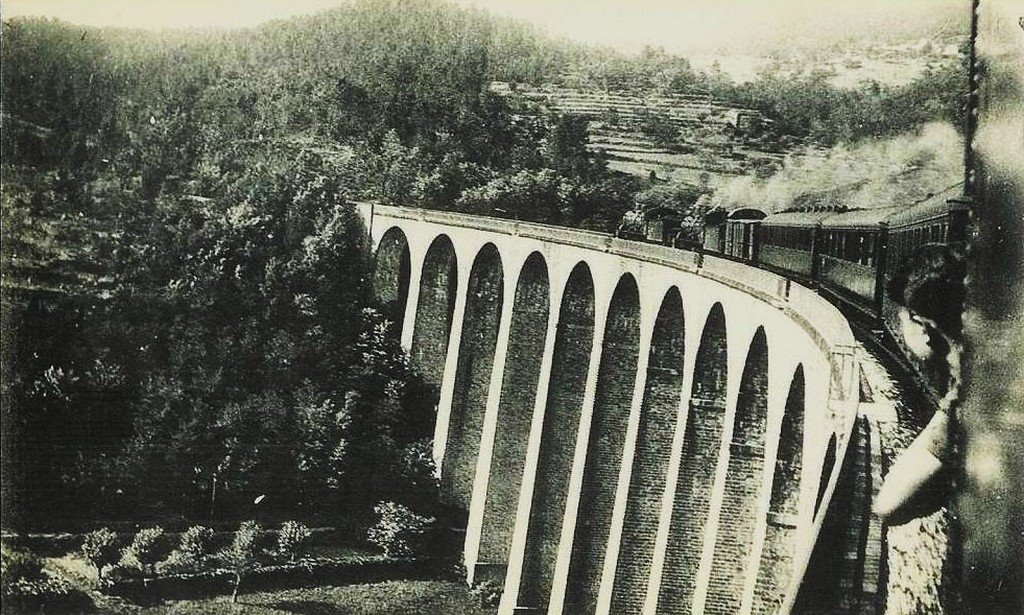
x,y
848,254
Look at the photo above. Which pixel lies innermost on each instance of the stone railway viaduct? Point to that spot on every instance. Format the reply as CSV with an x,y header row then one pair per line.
x,y
631,428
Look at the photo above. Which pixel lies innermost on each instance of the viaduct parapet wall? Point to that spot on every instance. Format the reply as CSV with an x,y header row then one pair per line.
x,y
631,428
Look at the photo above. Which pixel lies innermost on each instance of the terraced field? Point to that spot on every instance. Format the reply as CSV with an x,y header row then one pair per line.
x,y
713,142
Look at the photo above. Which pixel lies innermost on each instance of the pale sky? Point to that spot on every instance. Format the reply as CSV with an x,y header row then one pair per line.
x,y
629,25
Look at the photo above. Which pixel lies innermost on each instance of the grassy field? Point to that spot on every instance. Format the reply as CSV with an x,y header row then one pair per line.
x,y
388,598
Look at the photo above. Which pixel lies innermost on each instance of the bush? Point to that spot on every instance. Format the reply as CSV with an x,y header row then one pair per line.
x,y
400,532
191,552
292,538
241,556
312,573
146,549
100,548
16,565
50,594
488,593
418,471
26,588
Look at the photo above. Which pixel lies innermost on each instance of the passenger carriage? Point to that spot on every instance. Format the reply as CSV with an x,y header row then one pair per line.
x,y
848,253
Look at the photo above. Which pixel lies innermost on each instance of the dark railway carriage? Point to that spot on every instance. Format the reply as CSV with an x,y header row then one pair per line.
x,y
936,220
741,233
850,251
786,241
714,230
851,254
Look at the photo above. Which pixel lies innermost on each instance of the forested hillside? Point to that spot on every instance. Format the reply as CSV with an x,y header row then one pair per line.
x,y
187,322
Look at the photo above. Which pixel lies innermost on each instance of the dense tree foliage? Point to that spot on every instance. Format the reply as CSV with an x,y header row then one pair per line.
x,y
809,106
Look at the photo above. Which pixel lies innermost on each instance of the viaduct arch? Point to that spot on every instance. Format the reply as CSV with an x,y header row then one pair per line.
x,y
630,428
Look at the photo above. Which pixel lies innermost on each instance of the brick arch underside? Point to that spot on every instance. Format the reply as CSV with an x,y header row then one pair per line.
x,y
527,337
613,398
472,376
662,396
701,442
835,577
744,471
776,565
826,472
391,273
435,308
570,362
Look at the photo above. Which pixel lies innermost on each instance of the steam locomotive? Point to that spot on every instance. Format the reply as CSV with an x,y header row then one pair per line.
x,y
849,254
652,224
657,224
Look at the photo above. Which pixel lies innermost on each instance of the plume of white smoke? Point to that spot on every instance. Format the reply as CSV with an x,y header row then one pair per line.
x,y
868,174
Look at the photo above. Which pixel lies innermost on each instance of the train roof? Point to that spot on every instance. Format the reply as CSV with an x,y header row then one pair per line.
x,y
747,213
797,218
717,215
894,216
933,207
861,218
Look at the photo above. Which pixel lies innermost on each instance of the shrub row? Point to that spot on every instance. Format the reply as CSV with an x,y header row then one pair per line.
x,y
414,547
306,573
59,544
150,552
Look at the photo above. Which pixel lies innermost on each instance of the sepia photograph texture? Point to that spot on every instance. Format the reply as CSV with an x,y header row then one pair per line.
x,y
497,307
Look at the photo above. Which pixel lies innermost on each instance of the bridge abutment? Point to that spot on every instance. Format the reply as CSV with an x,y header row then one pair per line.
x,y
391,277
741,489
613,402
524,509
701,446
778,539
513,439
566,546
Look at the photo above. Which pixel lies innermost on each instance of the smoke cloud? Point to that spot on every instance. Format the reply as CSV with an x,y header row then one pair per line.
x,y
870,174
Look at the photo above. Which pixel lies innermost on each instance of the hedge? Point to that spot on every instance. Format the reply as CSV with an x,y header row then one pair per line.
x,y
306,573
60,544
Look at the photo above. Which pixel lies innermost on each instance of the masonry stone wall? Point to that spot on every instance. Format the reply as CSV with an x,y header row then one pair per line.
x,y
515,410
434,311
573,343
662,393
738,515
614,396
472,376
701,442
827,465
833,583
776,565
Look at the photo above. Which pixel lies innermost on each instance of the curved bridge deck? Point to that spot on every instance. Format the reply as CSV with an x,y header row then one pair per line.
x,y
631,428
